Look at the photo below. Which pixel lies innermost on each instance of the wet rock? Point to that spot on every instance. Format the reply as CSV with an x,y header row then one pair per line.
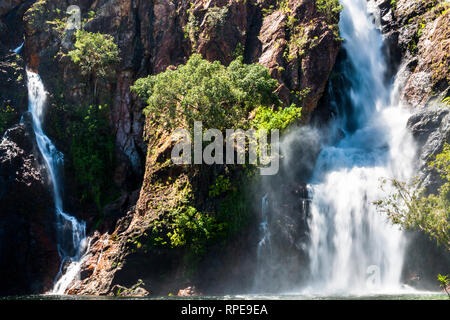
x,y
134,291
114,211
13,97
419,32
7,6
29,258
431,129
188,292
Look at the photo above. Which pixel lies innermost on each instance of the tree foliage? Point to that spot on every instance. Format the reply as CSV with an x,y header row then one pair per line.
x,y
218,96
269,119
96,54
331,9
410,207
444,282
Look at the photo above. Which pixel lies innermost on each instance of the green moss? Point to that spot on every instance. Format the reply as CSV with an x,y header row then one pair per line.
x,y
58,24
233,211
192,27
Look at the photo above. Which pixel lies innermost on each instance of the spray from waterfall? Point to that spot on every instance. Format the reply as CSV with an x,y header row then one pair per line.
x,y
71,234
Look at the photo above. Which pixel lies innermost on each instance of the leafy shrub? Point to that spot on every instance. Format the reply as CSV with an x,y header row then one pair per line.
x,y
193,229
331,9
185,227
268,119
444,282
409,207
96,54
218,96
221,185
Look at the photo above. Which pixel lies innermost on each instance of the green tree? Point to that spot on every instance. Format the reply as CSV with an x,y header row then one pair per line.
x,y
218,96
96,54
410,207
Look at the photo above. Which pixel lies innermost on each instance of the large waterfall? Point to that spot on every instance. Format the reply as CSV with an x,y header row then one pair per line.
x,y
352,247
335,242
71,234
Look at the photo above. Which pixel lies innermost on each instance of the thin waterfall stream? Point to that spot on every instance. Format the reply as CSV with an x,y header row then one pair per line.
x,y
71,233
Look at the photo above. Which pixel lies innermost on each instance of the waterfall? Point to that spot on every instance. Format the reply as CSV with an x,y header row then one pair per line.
x,y
71,234
353,248
264,248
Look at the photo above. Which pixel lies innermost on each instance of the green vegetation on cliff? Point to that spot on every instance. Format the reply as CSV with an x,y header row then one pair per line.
x,y
269,119
92,150
331,9
96,55
211,204
7,115
410,207
218,96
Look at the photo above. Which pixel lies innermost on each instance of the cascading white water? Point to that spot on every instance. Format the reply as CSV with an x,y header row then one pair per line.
x,y
350,243
71,234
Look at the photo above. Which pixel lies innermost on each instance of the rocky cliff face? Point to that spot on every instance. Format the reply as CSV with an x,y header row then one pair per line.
x,y
13,97
417,37
293,39
418,34
296,42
